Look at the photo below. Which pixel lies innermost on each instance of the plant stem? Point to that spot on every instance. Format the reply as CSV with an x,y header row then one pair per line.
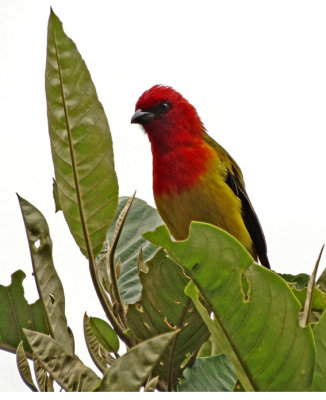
x,y
173,346
107,306
110,260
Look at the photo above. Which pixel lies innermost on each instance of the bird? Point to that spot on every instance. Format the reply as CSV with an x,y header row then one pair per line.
x,y
194,177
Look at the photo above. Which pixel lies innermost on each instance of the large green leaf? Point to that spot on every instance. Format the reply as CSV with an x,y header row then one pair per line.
x,y
67,370
81,143
140,219
47,280
319,380
164,306
129,372
17,314
209,374
255,313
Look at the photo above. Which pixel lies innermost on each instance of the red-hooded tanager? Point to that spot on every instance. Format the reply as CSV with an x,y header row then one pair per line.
x,y
194,178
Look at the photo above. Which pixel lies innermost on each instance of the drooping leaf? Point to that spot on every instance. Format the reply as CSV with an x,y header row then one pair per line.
x,y
17,314
162,308
104,334
129,372
94,346
23,367
47,280
81,143
140,219
67,370
319,379
209,374
255,325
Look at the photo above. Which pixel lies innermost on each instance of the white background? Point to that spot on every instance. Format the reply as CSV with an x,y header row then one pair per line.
x,y
255,71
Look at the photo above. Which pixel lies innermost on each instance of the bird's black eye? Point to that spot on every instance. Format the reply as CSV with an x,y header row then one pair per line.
x,y
161,108
164,107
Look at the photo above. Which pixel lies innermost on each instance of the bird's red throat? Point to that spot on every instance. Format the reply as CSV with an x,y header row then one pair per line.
x,y
179,167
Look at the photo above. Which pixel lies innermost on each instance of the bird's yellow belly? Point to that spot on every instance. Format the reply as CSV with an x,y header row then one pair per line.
x,y
210,201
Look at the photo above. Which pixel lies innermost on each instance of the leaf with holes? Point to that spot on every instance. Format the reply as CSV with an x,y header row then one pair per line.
x,y
209,374
81,143
141,218
129,372
163,307
67,370
17,314
47,280
255,325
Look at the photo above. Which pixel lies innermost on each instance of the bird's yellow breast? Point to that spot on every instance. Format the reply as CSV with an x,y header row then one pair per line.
x,y
209,200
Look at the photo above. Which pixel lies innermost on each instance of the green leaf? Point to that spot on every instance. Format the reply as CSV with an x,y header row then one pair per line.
x,y
17,314
318,304
164,307
81,143
140,219
319,379
67,370
94,346
321,282
299,281
255,324
47,281
23,367
129,372
104,334
209,374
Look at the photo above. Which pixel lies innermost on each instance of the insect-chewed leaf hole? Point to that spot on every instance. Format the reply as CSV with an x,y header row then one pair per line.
x,y
52,298
245,287
139,307
168,323
195,267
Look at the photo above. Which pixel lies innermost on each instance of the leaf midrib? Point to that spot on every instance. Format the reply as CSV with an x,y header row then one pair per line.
x,y
72,155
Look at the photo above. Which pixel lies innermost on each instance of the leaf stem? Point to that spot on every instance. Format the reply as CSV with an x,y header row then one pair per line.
x,y
173,346
310,290
107,306
110,260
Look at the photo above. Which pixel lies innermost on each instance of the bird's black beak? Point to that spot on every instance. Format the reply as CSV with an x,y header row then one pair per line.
x,y
141,117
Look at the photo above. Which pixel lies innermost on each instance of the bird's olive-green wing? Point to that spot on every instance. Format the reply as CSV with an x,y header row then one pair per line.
x,y
234,180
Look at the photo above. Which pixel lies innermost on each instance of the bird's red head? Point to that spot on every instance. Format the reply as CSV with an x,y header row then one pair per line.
x,y
167,117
